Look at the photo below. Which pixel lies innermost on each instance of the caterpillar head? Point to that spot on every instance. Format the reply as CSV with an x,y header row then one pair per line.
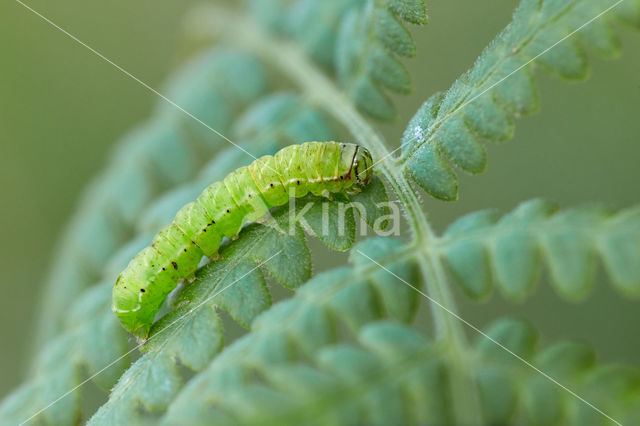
x,y
363,166
356,167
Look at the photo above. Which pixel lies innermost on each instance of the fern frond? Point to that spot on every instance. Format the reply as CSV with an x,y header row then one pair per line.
x,y
475,248
390,375
94,342
150,159
214,87
294,368
192,331
270,123
629,12
312,24
298,329
483,248
41,391
514,392
340,350
369,39
359,40
483,103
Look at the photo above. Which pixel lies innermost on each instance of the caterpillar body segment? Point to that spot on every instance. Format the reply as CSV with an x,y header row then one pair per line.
x,y
320,168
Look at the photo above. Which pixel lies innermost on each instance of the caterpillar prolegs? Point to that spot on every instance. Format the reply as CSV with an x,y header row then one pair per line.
x,y
245,195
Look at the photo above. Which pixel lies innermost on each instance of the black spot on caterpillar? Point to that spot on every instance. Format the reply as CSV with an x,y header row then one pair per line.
x,y
223,207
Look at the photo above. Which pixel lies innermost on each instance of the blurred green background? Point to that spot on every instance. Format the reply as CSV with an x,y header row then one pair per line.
x,y
62,108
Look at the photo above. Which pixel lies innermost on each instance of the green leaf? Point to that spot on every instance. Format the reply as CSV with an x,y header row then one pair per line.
x,y
568,370
321,217
369,38
629,12
356,39
305,324
413,11
620,384
386,373
342,350
388,71
212,87
282,117
271,123
482,248
498,395
482,103
468,259
619,246
564,361
93,342
192,332
152,157
100,340
391,33
517,336
429,169
31,397
399,300
312,24
375,205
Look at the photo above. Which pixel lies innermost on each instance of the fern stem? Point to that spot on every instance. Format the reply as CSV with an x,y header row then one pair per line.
x,y
293,63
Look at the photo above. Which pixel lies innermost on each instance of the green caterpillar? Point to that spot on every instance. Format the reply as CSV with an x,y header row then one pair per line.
x,y
245,195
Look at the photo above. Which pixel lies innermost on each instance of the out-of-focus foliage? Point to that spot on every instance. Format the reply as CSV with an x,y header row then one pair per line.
x,y
391,373
358,40
483,247
91,330
156,156
344,349
483,103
